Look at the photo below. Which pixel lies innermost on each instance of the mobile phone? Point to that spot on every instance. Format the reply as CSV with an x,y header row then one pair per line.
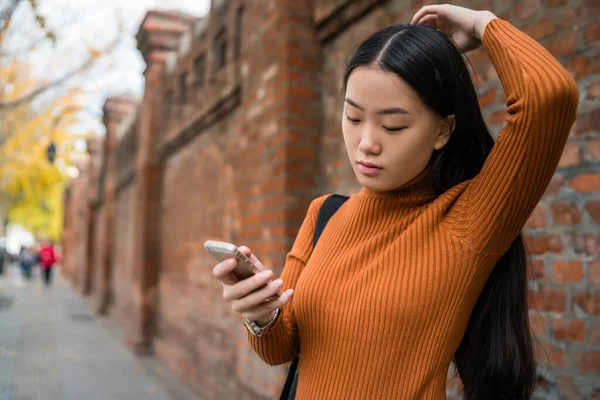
x,y
223,250
245,267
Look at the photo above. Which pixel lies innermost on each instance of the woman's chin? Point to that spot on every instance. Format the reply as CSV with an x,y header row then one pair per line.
x,y
373,184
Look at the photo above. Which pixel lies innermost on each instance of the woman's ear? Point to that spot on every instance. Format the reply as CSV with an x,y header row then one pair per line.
x,y
448,125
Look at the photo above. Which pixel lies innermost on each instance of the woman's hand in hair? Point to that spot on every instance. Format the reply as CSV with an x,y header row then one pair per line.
x,y
464,26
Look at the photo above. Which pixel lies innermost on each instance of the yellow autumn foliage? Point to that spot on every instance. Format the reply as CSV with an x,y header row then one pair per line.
x,y
32,185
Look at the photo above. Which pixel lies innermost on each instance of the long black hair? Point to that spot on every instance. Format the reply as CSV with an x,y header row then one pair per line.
x,y
495,359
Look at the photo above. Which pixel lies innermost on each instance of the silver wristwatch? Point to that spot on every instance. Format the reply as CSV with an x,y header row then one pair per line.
x,y
259,330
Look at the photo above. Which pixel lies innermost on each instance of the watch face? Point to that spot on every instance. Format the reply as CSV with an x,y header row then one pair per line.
x,y
255,329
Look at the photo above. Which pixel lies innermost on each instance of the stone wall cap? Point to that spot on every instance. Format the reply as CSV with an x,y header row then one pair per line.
x,y
162,29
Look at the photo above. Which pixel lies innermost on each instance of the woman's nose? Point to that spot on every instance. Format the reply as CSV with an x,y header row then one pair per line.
x,y
368,142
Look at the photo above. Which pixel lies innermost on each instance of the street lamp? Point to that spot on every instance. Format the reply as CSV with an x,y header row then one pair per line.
x,y
51,151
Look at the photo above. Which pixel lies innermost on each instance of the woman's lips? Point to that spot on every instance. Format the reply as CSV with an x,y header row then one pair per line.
x,y
369,169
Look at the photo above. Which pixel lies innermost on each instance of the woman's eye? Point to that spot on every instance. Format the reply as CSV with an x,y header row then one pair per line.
x,y
392,129
353,121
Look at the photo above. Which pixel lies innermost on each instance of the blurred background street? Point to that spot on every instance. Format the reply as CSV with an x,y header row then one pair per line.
x,y
52,346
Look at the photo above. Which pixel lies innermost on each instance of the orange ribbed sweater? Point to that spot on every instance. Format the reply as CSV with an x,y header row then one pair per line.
x,y
382,302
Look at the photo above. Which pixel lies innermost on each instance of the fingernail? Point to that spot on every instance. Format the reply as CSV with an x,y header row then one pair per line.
x,y
289,292
267,274
277,283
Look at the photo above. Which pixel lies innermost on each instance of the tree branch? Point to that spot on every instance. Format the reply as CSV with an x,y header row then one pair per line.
x,y
8,11
34,43
77,71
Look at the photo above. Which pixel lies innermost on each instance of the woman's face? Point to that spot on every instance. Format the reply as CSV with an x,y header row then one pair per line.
x,y
389,133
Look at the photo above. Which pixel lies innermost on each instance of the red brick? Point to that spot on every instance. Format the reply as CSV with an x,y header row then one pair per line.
x,y
565,213
526,8
563,45
579,66
593,91
592,244
587,362
568,388
595,65
300,62
595,332
477,56
543,244
586,182
568,18
593,207
589,302
301,92
593,148
541,29
487,98
587,121
537,219
536,269
491,73
591,33
567,272
548,299
589,8
539,325
569,330
594,272
589,244
497,117
547,352
553,188
570,156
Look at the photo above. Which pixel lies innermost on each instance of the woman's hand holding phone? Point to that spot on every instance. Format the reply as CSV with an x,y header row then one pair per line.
x,y
249,297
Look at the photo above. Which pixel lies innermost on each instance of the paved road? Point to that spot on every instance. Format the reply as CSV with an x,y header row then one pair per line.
x,y
52,347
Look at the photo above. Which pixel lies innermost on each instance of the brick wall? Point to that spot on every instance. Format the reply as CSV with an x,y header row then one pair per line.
x,y
239,129
98,256
122,279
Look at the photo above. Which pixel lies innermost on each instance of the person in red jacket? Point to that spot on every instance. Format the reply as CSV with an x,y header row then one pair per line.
x,y
47,261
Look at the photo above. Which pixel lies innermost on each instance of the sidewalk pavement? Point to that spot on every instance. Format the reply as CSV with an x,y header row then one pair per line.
x,y
52,347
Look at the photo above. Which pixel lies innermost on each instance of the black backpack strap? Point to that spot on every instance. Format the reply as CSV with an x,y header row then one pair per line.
x,y
329,207
291,382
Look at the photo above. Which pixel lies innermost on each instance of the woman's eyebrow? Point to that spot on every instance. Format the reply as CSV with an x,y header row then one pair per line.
x,y
395,110
387,111
352,103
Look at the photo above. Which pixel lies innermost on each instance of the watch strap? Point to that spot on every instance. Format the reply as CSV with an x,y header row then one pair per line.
x,y
260,330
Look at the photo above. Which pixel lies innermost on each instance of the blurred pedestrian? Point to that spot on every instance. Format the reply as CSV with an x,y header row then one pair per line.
x,y
3,257
26,261
47,260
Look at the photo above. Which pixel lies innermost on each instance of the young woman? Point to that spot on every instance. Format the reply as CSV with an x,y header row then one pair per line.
x,y
425,265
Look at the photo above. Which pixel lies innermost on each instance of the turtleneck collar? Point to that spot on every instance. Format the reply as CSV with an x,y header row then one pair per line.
x,y
419,187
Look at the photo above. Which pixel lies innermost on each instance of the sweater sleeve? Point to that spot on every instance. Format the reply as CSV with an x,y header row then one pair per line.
x,y
541,104
280,343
